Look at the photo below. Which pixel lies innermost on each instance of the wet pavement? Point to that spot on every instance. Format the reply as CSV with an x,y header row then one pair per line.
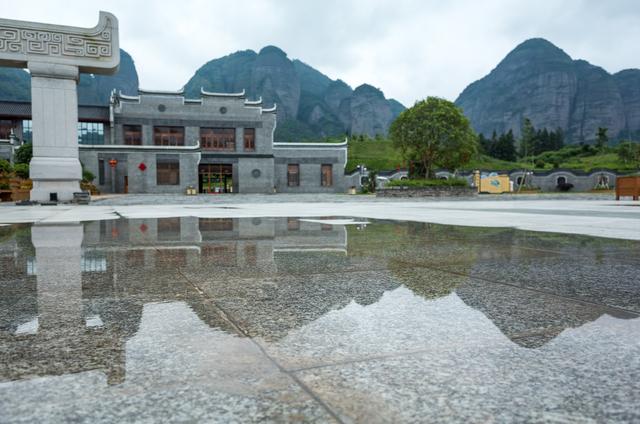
x,y
328,319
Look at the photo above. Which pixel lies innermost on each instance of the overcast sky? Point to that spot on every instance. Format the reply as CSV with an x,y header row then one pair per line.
x,y
408,49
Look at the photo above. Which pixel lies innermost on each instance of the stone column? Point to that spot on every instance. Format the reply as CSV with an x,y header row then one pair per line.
x,y
55,167
55,54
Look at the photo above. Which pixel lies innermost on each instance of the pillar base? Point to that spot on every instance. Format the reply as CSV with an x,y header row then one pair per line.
x,y
54,175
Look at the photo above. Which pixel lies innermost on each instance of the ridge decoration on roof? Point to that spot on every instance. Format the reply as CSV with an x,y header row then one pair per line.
x,y
212,94
127,97
253,102
161,92
270,110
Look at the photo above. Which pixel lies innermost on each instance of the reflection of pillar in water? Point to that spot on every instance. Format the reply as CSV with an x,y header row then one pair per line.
x,y
58,255
74,342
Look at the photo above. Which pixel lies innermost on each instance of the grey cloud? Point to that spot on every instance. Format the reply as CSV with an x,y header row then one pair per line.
x,y
408,48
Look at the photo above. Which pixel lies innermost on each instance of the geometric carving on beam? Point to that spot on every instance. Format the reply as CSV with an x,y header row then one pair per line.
x,y
94,50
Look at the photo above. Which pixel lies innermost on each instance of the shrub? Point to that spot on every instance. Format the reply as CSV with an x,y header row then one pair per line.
x,y
24,154
451,182
565,186
87,175
539,163
5,167
21,170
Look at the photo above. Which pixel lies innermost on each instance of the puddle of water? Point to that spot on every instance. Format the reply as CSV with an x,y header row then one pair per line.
x,y
313,319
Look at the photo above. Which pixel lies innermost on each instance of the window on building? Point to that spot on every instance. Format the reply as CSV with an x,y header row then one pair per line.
x,y
135,258
177,258
326,175
168,136
5,128
168,172
251,254
27,131
169,229
215,224
222,254
132,135
293,224
293,175
101,171
90,133
250,139
218,138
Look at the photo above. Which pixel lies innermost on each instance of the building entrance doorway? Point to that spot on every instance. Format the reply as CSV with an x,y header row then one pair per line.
x,y
215,178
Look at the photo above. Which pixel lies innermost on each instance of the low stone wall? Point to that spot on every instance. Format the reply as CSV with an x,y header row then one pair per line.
x,y
436,191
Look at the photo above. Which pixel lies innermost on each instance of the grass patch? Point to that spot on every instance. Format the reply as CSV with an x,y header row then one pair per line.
x,y
489,163
380,155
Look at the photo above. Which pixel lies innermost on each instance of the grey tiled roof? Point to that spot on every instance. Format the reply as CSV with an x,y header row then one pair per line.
x,y
23,110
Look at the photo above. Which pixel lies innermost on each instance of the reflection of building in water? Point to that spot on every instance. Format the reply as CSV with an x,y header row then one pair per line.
x,y
71,305
240,245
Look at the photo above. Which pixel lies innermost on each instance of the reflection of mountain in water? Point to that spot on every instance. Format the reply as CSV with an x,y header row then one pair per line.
x,y
71,309
528,319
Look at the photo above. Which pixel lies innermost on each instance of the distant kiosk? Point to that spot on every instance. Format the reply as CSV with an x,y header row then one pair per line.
x,y
55,55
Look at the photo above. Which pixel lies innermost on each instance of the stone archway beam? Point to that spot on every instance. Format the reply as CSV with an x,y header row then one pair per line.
x,y
93,50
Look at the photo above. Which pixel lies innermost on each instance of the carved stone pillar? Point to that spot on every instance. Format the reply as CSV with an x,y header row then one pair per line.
x,y
55,167
55,55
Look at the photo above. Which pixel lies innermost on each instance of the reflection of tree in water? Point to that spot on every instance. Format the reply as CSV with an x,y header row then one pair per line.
x,y
435,260
414,251
425,282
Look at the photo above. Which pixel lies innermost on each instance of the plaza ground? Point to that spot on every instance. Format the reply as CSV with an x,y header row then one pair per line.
x,y
316,308
587,214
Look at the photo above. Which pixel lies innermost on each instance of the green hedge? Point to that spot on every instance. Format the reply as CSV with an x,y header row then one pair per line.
x,y
451,182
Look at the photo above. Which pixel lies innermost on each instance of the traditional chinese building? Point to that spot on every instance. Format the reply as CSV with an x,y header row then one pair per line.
x,y
162,142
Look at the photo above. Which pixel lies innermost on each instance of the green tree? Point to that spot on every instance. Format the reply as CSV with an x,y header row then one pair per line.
x,y
434,133
484,145
505,147
601,138
528,139
629,153
24,154
557,139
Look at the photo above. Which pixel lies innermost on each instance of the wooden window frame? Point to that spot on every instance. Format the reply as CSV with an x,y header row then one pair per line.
x,y
128,135
168,136
249,136
293,178
163,176
326,179
213,138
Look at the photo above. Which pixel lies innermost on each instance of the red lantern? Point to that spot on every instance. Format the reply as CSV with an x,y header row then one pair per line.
x,y
113,163
142,166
